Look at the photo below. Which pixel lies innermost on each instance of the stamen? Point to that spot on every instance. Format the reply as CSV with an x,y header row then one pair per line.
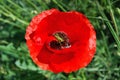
x,y
62,41
55,45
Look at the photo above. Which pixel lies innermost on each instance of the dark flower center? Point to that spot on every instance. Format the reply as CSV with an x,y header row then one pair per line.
x,y
61,42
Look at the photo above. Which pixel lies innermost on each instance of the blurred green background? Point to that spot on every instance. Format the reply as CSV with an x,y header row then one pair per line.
x,y
15,61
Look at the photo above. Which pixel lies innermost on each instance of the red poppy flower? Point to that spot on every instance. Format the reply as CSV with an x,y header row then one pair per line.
x,y
61,41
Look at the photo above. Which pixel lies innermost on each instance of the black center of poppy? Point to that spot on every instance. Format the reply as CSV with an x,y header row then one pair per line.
x,y
61,42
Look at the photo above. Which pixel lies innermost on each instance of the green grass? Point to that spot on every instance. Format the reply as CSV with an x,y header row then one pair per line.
x,y
15,62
